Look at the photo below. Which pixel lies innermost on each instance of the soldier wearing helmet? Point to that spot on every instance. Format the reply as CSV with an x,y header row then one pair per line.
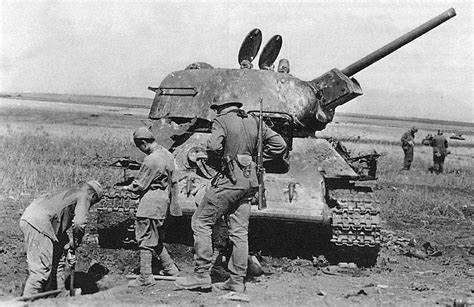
x,y
284,66
408,145
155,184
246,64
45,223
233,142
440,151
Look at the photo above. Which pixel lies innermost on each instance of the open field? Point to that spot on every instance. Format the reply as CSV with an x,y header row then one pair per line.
x,y
48,145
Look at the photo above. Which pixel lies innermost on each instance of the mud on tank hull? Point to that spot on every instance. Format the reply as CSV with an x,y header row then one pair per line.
x,y
319,189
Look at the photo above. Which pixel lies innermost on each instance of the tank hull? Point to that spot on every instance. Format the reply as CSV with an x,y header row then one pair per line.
x,y
320,188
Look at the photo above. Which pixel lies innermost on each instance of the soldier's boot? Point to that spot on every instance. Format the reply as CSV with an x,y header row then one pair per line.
x,y
146,277
219,270
195,282
231,284
169,267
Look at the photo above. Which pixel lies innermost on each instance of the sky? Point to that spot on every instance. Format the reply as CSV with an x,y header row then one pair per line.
x,y
120,48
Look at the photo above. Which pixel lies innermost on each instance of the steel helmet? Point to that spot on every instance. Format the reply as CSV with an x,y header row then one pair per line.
x,y
284,66
225,99
199,65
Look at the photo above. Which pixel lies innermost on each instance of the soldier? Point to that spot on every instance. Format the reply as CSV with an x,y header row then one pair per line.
x,y
45,223
440,150
284,66
246,64
156,186
408,144
233,139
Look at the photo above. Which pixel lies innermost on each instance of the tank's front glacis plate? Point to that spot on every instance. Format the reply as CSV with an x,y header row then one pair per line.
x,y
295,196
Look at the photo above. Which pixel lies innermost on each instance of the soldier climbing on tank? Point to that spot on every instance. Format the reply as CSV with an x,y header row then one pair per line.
x,y
408,145
440,150
155,185
233,143
45,223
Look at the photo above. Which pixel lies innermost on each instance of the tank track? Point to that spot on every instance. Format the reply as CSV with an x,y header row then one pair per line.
x,y
115,217
117,201
355,218
355,226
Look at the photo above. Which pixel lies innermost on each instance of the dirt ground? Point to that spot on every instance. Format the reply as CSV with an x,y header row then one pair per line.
x,y
397,278
295,272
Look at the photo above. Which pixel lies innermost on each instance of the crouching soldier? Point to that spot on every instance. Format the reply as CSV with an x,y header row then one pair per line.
x,y
155,186
45,223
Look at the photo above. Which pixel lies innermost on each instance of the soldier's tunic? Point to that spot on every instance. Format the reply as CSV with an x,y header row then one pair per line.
x,y
234,134
440,149
45,223
408,141
152,184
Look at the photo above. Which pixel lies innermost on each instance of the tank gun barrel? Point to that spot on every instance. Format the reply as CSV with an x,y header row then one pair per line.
x,y
184,96
398,43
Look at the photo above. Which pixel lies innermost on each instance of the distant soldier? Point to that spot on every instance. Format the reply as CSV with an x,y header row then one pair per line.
x,y
45,223
427,140
440,150
408,145
155,185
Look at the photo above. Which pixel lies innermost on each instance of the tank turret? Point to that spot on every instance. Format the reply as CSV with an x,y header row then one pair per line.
x,y
185,95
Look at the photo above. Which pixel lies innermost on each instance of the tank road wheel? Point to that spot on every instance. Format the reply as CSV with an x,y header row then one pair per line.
x,y
355,225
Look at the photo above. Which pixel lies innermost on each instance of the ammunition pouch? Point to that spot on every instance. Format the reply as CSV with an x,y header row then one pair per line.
x,y
245,164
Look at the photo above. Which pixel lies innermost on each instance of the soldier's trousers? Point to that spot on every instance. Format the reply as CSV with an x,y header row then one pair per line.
x,y
46,260
217,202
408,159
149,235
438,162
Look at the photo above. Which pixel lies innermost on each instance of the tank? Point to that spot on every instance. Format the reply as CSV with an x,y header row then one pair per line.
x,y
323,186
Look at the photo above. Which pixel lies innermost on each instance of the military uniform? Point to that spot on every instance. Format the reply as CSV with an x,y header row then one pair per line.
x,y
234,134
408,144
440,150
45,223
152,184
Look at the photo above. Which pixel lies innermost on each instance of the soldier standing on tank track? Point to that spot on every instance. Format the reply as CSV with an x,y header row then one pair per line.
x,y
440,150
408,145
155,186
233,142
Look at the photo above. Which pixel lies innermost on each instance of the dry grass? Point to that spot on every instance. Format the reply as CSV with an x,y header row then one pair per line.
x,y
417,197
38,160
38,157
